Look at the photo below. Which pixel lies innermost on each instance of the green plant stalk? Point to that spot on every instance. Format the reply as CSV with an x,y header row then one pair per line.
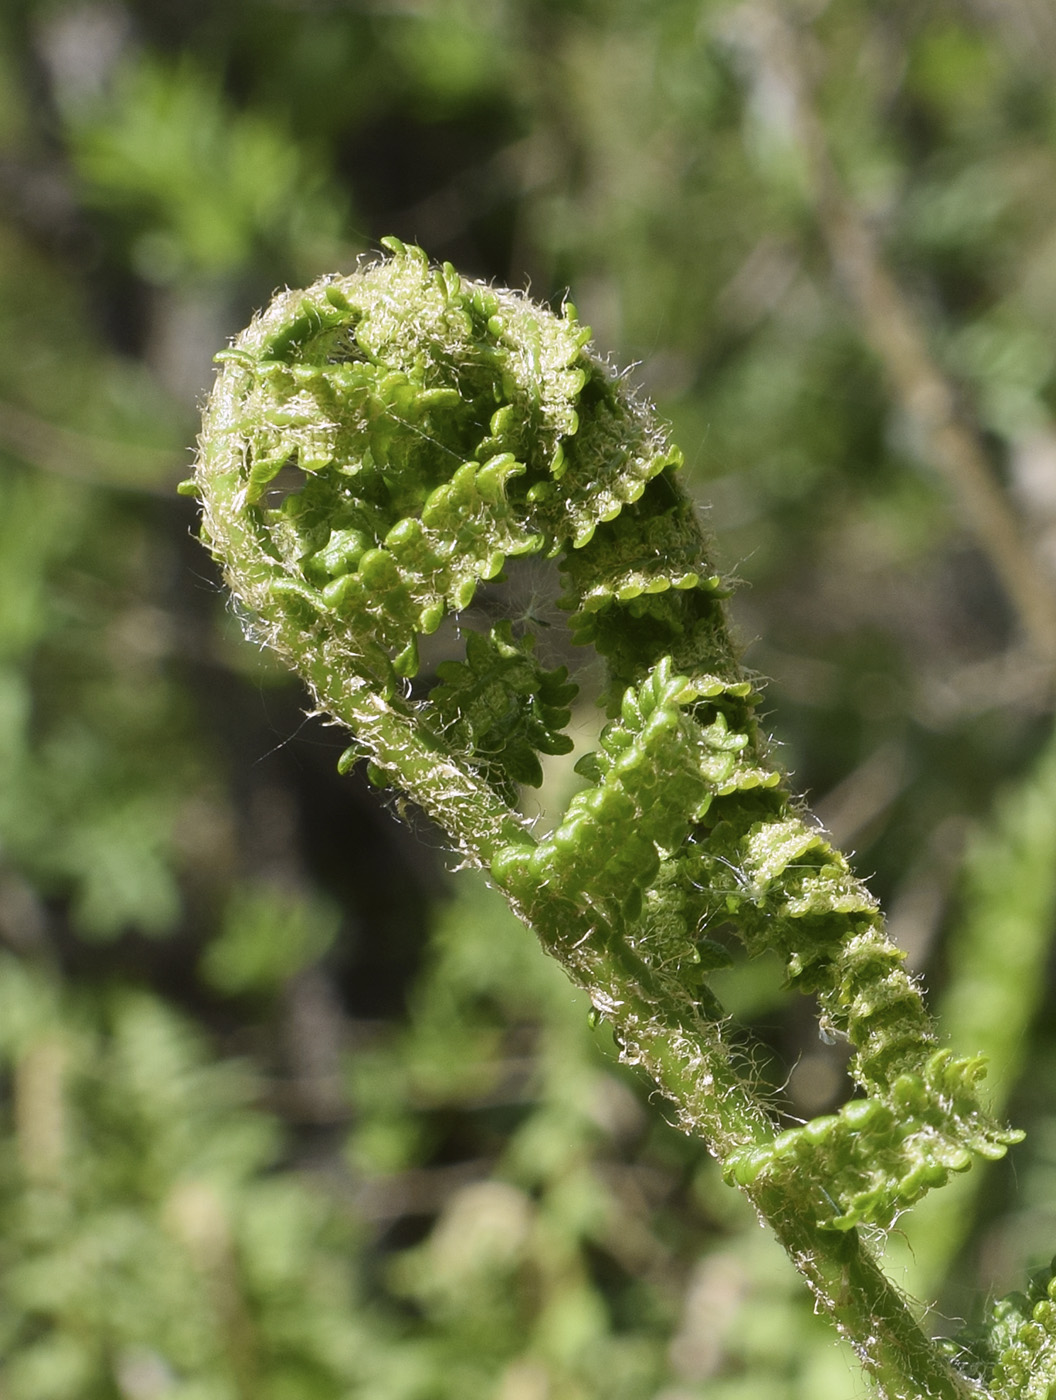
x,y
864,1306
376,449
662,1030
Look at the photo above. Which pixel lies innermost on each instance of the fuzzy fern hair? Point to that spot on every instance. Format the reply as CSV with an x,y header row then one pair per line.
x,y
378,447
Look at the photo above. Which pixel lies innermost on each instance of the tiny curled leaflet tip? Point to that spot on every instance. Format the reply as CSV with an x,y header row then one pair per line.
x,y
377,449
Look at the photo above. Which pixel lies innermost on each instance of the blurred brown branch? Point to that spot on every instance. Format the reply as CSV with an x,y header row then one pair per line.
x,y
774,54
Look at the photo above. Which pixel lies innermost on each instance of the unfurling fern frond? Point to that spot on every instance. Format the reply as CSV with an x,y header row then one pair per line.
x,y
378,447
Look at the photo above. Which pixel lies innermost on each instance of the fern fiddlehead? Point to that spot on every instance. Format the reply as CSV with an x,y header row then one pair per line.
x,y
376,449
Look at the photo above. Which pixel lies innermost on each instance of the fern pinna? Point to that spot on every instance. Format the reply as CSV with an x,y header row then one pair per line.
x,y
378,447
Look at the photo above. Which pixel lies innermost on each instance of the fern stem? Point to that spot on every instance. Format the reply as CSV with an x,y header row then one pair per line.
x,y
660,1029
864,1306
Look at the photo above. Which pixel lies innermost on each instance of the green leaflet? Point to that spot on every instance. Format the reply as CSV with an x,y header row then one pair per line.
x,y
500,702
1014,1351
376,448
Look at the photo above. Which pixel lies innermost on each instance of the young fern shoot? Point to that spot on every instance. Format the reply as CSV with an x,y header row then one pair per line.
x,y
375,449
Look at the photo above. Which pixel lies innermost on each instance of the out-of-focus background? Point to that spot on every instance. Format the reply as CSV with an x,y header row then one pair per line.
x,y
290,1111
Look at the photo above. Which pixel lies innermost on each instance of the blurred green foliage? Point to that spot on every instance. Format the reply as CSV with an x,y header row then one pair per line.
x,y
286,1112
